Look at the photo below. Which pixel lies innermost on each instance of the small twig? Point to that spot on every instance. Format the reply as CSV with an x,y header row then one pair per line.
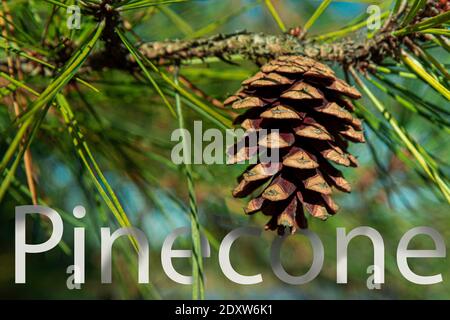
x,y
47,25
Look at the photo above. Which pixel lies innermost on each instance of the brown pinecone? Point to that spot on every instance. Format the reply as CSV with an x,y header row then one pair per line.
x,y
304,100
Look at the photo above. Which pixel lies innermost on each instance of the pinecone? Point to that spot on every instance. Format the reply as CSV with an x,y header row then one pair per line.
x,y
309,106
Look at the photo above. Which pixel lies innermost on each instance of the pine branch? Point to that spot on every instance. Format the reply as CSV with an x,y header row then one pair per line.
x,y
258,45
356,50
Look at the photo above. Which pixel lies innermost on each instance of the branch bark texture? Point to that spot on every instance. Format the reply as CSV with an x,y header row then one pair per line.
x,y
258,45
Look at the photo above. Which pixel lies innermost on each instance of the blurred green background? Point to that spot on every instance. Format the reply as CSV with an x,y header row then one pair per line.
x,y
132,139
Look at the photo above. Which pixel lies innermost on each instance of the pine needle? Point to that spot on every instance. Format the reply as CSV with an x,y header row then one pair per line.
x,y
198,291
275,15
419,154
415,66
322,7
